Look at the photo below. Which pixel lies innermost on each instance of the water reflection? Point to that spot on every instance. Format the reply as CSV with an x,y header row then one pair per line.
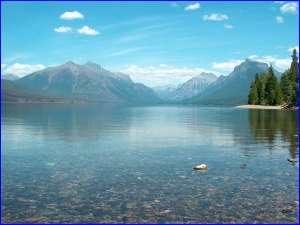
x,y
268,125
134,164
166,125
65,121
163,125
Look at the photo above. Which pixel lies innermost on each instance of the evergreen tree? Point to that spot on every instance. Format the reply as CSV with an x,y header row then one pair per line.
x,y
253,96
265,89
271,86
262,88
294,67
289,81
295,77
278,96
256,79
286,87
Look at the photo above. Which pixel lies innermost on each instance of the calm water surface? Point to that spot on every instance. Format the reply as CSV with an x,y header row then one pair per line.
x,y
64,163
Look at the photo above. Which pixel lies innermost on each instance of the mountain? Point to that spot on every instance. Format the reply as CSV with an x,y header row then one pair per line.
x,y
88,82
234,88
9,76
192,87
14,92
164,91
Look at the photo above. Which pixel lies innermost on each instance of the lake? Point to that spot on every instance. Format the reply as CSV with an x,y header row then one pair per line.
x,y
107,163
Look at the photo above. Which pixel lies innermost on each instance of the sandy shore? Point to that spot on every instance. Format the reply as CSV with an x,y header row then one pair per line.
x,y
258,107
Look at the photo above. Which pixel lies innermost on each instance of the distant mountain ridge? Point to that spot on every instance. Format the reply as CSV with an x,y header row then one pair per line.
x,y
192,87
92,83
164,91
14,92
234,88
9,76
89,82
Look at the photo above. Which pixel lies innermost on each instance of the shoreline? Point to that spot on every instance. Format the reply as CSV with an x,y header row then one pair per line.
x,y
257,107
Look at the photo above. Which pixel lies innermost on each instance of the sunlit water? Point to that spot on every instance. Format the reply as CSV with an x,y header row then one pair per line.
x,y
106,163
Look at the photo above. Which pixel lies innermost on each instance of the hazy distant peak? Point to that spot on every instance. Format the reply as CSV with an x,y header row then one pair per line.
x,y
249,64
252,61
93,67
192,87
168,86
9,76
204,78
164,91
89,82
122,76
70,63
89,63
119,73
207,75
204,73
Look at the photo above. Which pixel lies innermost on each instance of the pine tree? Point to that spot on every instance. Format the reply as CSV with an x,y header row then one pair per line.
x,y
294,67
270,86
256,79
286,87
262,88
253,96
278,96
295,77
289,81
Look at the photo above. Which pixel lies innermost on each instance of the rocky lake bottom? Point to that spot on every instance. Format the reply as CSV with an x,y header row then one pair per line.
x,y
134,164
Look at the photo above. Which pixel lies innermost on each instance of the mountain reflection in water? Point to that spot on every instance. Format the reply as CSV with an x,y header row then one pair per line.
x,y
108,163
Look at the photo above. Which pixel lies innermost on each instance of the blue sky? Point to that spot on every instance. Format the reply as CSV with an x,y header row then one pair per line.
x,y
156,43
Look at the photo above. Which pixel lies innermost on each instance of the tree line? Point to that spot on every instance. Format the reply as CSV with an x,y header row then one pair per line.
x,y
266,90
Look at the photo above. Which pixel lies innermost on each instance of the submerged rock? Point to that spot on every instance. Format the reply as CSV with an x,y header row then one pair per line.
x,y
202,167
296,204
287,211
34,219
292,160
244,166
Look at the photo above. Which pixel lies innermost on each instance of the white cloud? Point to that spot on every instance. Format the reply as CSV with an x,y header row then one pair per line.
x,y
227,26
227,66
265,59
291,7
278,2
3,66
62,29
71,15
280,64
23,69
283,63
215,16
253,57
193,7
174,5
88,31
279,19
162,74
269,58
291,49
